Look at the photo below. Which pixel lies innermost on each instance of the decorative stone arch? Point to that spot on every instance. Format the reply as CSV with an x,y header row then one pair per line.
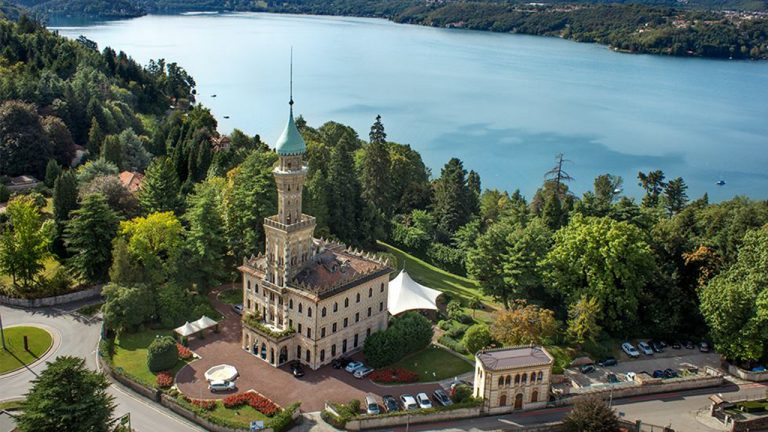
x,y
263,352
503,400
283,357
519,401
508,380
517,379
534,396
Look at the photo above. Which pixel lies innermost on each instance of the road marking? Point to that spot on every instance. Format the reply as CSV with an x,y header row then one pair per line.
x,y
510,422
157,410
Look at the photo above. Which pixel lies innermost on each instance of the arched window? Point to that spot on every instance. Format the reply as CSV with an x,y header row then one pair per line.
x,y
309,311
298,352
541,376
508,380
358,298
382,288
290,304
501,381
503,400
323,313
533,377
335,307
322,355
299,307
370,292
535,396
346,302
525,378
517,379
249,285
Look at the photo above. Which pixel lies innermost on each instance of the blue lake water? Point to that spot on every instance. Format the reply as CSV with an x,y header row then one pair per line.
x,y
504,104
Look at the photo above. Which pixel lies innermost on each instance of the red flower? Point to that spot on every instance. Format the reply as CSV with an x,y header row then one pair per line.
x,y
394,375
255,400
184,352
164,379
207,405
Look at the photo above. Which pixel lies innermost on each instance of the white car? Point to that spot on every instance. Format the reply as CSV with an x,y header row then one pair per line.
x,y
238,308
371,406
353,366
221,385
362,372
645,348
630,350
408,402
423,400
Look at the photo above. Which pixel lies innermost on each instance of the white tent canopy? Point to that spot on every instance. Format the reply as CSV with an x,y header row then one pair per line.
x,y
204,323
186,330
406,294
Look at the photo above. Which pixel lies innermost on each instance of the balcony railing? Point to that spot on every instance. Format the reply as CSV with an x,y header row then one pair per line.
x,y
266,329
306,220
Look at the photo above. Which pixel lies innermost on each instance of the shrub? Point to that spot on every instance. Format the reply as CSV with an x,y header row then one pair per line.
x,y
393,375
162,354
406,334
184,352
461,393
444,324
447,257
207,405
456,330
477,337
164,379
453,344
255,400
283,420
5,194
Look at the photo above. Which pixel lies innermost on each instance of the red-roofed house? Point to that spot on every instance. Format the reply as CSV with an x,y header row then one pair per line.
x,y
131,180
514,378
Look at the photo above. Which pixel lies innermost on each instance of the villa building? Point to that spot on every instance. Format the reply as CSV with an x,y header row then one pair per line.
x,y
304,298
515,378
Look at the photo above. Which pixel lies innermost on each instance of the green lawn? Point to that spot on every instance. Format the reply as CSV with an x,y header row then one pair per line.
x,y
434,364
231,296
131,355
50,263
11,405
241,416
15,357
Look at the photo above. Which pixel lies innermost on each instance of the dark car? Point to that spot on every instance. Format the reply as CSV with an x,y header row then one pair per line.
x,y
689,345
442,397
612,378
703,347
587,368
390,403
340,363
656,346
670,373
608,361
663,344
658,373
676,345
297,370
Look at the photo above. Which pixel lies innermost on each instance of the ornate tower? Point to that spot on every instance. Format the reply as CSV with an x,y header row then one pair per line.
x,y
289,232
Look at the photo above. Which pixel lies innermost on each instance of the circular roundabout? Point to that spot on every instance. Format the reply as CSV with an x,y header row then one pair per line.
x,y
16,354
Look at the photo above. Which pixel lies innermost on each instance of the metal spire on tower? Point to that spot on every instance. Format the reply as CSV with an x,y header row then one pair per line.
x,y
290,102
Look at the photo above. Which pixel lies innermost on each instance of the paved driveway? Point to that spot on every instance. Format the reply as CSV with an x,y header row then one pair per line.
x,y
278,384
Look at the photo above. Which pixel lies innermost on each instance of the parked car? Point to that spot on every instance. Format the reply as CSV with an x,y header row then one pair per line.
x,y
676,345
612,378
461,382
423,401
442,397
758,368
630,350
340,363
371,406
353,366
587,368
390,403
408,402
656,346
238,308
689,345
297,370
658,373
703,347
670,373
608,361
221,385
631,376
645,348
362,372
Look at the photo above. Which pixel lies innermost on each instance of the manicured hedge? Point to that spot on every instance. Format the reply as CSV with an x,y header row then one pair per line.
x,y
406,334
162,354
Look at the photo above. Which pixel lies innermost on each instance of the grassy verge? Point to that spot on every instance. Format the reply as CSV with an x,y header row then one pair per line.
x,y
11,405
50,263
231,296
15,356
90,310
434,364
131,355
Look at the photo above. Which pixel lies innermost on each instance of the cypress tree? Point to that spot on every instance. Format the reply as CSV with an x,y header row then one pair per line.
x,y
346,214
88,237
452,198
52,172
375,177
95,138
64,196
111,151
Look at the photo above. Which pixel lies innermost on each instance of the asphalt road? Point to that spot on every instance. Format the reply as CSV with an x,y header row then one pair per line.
x,y
79,337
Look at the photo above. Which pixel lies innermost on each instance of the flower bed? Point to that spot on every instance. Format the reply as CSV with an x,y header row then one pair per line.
x,y
207,405
254,400
184,352
164,379
393,375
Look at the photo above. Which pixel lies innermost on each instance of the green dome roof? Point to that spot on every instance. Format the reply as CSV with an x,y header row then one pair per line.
x,y
290,141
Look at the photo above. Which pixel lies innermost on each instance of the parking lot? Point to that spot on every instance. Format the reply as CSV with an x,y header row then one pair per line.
x,y
669,359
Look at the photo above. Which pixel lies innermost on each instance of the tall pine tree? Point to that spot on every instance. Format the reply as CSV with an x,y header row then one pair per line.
x,y
95,138
375,176
346,214
160,188
453,199
205,239
88,237
64,196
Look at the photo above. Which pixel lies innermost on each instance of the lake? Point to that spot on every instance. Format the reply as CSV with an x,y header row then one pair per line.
x,y
504,104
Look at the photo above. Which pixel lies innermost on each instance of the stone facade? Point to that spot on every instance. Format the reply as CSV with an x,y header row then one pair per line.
x,y
516,378
307,299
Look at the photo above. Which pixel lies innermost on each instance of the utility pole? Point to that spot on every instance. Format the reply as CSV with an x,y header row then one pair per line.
x,y
2,333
